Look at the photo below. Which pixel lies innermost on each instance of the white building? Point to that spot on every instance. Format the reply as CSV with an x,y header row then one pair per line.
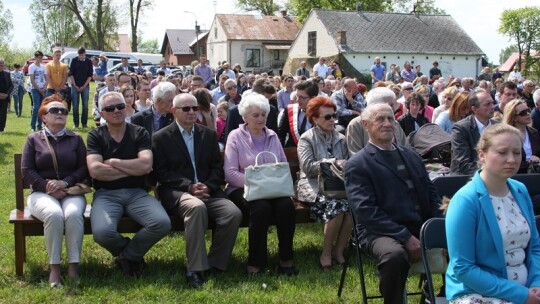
x,y
257,43
355,38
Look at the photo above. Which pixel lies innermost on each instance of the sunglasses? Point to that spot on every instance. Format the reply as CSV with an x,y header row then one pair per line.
x,y
329,116
56,110
111,108
524,112
186,109
232,87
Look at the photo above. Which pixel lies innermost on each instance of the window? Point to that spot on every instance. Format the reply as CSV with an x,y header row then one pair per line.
x,y
276,54
215,33
312,44
253,58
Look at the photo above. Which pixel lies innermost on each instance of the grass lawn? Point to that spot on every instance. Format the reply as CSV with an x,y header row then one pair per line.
x,y
164,281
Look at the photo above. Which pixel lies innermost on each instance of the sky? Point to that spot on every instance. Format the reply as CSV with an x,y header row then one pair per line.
x,y
479,19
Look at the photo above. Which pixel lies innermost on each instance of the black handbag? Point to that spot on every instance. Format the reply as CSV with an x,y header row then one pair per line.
x,y
331,183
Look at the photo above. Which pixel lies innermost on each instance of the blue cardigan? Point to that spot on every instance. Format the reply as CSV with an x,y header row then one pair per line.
x,y
475,245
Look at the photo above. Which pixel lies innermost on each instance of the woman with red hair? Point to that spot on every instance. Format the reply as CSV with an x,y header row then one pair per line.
x,y
323,143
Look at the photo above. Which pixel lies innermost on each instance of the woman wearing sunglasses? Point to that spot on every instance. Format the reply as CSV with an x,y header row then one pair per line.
x,y
323,143
54,159
518,114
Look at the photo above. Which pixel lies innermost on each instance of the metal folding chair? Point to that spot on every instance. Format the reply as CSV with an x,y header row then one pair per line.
x,y
432,235
353,245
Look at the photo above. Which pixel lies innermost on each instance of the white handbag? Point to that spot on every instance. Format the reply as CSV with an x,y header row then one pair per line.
x,y
267,181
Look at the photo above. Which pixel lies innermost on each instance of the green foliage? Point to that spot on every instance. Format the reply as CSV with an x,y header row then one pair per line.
x,y
6,24
12,55
151,46
136,7
522,26
53,26
507,52
97,18
301,8
265,7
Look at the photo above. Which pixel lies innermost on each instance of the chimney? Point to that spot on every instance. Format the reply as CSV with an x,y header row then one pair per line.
x,y
283,13
359,6
342,37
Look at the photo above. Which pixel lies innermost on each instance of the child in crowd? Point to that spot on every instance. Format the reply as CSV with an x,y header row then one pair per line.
x,y
222,112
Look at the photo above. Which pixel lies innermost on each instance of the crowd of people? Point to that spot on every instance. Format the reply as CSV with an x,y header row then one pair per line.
x,y
169,132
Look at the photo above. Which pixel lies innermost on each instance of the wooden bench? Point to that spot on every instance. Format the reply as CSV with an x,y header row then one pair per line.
x,y
26,225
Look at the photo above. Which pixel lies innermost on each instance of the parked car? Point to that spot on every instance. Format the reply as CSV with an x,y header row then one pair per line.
x,y
45,60
132,63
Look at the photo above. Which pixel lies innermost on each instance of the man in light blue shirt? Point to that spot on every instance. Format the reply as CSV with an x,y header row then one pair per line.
x,y
377,71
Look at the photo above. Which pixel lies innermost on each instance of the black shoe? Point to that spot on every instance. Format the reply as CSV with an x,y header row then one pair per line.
x,y
289,271
194,279
125,265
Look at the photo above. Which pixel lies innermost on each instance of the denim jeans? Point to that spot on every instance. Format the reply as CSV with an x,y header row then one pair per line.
x,y
75,105
36,97
17,100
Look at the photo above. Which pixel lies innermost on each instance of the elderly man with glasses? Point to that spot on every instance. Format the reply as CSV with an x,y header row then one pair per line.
x,y
189,172
231,93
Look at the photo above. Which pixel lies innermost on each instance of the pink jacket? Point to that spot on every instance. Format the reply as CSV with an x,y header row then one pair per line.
x,y
240,152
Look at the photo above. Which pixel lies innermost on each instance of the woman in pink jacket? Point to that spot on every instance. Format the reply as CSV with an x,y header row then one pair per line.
x,y
243,145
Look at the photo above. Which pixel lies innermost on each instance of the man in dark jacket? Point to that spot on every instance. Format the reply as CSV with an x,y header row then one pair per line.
x,y
6,86
391,196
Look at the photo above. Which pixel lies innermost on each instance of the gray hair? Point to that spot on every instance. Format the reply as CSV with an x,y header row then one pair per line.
x,y
228,82
371,111
380,95
528,82
163,88
536,97
107,95
438,83
253,100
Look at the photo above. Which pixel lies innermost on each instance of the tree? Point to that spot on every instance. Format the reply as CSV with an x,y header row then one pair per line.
x,y
265,7
6,24
135,9
301,8
53,26
150,46
96,17
507,52
522,25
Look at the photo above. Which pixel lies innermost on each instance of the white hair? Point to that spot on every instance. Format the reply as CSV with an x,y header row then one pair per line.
x,y
371,111
253,100
536,97
228,82
162,89
380,95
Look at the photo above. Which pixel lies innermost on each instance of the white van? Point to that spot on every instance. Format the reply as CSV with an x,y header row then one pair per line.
x,y
114,58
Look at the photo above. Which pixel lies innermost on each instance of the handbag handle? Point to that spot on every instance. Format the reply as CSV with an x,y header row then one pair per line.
x,y
53,155
257,157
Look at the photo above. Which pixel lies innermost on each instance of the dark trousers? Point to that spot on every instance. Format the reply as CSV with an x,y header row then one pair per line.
x,y
261,214
393,267
3,113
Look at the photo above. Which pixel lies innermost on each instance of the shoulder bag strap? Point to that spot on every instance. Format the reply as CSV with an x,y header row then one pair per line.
x,y
53,155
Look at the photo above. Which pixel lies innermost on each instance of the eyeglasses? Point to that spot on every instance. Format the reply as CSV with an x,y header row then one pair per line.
x,y
232,87
524,112
186,109
302,97
111,108
329,116
407,89
57,110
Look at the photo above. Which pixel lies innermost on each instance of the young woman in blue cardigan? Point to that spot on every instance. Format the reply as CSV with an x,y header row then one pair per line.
x,y
493,243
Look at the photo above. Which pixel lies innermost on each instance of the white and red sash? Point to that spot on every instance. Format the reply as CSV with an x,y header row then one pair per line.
x,y
292,111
